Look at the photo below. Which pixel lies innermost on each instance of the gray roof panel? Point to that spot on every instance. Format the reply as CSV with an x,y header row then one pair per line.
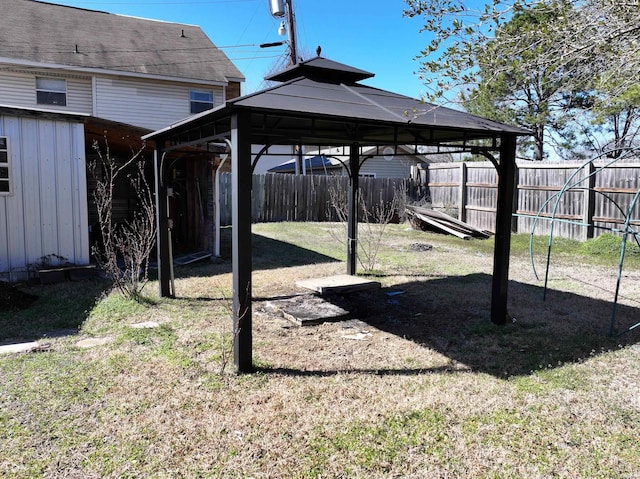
x,y
320,67
363,102
315,109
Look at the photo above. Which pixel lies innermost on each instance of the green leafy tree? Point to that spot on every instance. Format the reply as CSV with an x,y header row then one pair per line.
x,y
517,88
542,64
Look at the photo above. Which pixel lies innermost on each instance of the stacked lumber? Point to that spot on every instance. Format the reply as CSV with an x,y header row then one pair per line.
x,y
428,219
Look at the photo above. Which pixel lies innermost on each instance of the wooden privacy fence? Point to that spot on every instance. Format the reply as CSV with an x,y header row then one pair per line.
x,y
598,200
280,197
598,197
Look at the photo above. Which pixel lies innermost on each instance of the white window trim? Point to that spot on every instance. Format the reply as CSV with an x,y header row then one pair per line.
x,y
202,90
9,178
65,92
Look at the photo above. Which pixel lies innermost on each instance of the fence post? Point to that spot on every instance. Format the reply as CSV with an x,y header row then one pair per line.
x,y
589,202
516,197
462,193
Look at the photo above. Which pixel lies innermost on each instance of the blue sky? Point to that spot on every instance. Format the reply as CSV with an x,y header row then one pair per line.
x,y
368,34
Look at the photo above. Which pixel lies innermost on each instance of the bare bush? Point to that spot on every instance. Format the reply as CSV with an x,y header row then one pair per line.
x,y
372,221
125,250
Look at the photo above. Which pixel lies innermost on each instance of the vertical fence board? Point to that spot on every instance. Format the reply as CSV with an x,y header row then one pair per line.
x,y
602,200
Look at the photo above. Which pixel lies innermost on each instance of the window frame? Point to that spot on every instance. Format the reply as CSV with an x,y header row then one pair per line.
x,y
6,164
49,93
195,101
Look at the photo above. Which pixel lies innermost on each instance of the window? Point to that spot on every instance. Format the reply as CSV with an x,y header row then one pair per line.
x,y
367,175
201,100
51,91
5,172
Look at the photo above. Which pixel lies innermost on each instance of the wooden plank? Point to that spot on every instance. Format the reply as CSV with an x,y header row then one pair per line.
x,y
338,284
449,221
438,225
192,258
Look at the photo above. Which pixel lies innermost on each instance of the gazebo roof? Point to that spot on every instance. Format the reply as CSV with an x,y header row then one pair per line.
x,y
320,102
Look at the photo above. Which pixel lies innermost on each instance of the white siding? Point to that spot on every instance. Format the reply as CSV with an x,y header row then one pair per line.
x,y
145,103
18,88
398,167
47,212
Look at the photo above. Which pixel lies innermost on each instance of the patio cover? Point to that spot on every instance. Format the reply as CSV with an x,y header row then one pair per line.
x,y
318,103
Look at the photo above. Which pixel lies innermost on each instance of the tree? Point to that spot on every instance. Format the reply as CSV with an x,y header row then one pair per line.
x,y
602,44
517,88
543,57
124,253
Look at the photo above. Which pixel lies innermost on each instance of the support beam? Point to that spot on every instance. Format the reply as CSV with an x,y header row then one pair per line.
x,y
352,205
506,182
589,201
241,248
216,192
162,221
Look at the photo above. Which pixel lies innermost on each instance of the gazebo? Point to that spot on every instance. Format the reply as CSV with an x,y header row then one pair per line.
x,y
319,103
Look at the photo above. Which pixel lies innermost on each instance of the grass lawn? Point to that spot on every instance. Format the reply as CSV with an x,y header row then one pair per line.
x,y
419,384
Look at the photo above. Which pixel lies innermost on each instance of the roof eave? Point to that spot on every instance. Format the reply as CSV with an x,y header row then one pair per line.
x,y
111,72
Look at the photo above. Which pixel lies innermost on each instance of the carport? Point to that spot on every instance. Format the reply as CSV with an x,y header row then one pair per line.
x,y
319,103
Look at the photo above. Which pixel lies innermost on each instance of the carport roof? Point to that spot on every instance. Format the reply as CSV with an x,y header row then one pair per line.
x,y
320,102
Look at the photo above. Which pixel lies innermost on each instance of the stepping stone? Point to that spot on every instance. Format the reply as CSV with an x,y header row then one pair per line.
x,y
145,325
18,347
308,310
93,342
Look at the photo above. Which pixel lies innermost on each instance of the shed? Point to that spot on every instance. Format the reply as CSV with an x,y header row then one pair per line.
x,y
321,103
43,190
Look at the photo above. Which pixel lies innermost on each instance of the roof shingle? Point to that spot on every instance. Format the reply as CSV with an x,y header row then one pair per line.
x,y
48,33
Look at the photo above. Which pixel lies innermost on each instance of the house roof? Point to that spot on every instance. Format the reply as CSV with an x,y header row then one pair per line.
x,y
39,32
43,113
317,162
319,109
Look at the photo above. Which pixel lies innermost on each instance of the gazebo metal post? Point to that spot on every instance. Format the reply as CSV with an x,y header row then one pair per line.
x,y
352,206
162,222
241,243
502,246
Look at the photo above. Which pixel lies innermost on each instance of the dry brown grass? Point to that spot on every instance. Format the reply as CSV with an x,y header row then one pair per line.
x,y
425,388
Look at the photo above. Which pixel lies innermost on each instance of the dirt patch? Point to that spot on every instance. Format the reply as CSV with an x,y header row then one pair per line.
x,y
12,299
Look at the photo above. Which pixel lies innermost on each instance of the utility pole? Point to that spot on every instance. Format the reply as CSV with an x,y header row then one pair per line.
x,y
282,9
291,20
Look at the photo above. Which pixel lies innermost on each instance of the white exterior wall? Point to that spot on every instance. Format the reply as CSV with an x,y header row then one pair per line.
x,y
398,167
142,102
146,103
18,88
278,155
46,213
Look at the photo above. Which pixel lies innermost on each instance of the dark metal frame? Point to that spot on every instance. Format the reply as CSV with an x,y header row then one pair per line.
x,y
245,122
